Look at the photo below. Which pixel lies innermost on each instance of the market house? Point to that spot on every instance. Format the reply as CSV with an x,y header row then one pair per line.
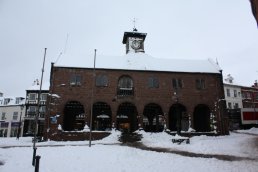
x,y
135,91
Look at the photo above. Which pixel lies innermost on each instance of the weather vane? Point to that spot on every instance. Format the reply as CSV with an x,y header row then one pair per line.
x,y
134,28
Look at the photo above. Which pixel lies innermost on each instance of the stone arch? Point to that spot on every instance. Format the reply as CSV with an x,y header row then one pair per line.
x,y
102,116
177,118
153,118
127,117
74,116
201,118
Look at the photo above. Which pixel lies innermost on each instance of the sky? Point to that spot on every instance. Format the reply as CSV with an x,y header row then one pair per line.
x,y
108,155
225,31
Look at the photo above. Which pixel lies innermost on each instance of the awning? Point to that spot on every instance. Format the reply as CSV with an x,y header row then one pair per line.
x,y
103,116
122,117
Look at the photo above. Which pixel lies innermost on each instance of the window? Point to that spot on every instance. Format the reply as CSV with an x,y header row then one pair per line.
x,y
244,95
17,100
3,116
42,109
228,92
229,105
153,82
75,80
6,101
15,115
236,106
31,112
101,81
177,83
239,94
32,96
125,86
200,84
235,93
32,109
248,95
43,97
125,82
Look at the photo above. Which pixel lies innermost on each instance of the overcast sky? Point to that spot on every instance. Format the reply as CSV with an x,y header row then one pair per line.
x,y
194,29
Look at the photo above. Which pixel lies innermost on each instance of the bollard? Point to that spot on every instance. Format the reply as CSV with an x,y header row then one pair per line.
x,y
37,163
34,156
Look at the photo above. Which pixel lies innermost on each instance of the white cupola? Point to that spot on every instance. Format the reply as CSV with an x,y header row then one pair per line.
x,y
134,41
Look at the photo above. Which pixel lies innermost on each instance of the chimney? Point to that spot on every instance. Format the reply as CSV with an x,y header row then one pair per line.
x,y
255,84
229,79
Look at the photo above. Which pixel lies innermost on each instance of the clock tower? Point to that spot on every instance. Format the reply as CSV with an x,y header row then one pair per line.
x,y
134,41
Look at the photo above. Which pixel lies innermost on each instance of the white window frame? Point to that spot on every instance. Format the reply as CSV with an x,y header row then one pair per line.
x,y
235,93
32,107
3,117
43,95
29,97
15,115
228,92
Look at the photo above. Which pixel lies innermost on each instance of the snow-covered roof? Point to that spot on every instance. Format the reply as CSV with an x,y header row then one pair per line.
x,y
230,81
10,101
45,86
144,62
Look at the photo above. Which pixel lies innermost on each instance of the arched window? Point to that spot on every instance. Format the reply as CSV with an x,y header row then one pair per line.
x,y
125,86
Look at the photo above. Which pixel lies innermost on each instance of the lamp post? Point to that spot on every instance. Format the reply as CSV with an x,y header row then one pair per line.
x,y
19,128
178,113
37,114
92,94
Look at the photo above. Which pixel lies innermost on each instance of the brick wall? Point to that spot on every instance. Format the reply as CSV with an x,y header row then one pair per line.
x,y
164,96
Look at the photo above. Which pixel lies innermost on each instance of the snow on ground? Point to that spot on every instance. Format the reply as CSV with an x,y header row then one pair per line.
x,y
107,155
251,131
206,144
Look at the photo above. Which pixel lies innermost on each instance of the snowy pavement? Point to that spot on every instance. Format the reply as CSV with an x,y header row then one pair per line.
x,y
108,154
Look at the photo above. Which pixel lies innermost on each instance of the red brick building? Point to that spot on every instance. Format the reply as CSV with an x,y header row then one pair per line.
x,y
249,112
135,91
254,5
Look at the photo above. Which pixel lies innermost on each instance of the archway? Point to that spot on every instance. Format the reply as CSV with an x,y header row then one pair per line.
x,y
201,118
177,118
73,116
127,117
153,118
102,116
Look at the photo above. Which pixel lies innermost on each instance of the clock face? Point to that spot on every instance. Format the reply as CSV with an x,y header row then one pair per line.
x,y
136,44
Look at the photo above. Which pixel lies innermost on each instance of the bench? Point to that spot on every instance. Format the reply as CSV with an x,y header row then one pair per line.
x,y
179,139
